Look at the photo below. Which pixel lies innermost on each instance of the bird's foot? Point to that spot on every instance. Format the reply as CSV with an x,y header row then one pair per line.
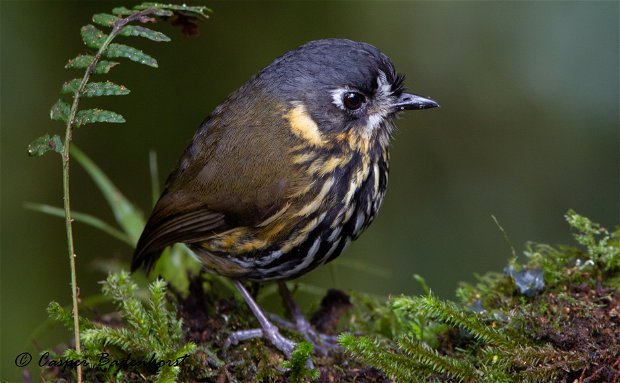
x,y
322,343
272,334
274,337
267,330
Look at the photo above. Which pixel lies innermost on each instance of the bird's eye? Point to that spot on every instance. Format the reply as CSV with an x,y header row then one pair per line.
x,y
353,100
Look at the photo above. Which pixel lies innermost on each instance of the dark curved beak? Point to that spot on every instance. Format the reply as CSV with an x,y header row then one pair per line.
x,y
408,101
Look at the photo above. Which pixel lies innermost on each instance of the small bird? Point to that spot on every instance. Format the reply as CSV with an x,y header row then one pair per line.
x,y
285,173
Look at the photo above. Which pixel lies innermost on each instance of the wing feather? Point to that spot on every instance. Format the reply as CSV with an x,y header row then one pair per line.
x,y
165,228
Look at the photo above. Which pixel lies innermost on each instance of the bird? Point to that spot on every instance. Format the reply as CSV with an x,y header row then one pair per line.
x,y
285,173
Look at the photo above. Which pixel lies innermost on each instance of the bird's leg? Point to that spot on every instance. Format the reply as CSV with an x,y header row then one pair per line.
x,y
301,323
267,330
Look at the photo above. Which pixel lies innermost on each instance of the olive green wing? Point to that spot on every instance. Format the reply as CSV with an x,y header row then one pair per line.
x,y
231,175
174,220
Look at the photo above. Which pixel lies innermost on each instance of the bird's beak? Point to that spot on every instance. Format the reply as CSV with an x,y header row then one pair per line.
x,y
408,101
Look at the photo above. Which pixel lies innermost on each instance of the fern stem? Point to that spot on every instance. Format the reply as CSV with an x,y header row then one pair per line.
x,y
139,16
69,229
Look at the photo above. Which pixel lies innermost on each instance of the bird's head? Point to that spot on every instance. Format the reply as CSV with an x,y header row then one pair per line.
x,y
342,86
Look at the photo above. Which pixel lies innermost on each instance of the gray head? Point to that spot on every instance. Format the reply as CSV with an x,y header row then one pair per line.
x,y
342,84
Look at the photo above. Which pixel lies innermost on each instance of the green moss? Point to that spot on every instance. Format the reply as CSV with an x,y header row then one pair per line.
x,y
150,342
548,318
298,366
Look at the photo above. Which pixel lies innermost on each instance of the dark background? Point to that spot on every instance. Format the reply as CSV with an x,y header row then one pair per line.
x,y
528,129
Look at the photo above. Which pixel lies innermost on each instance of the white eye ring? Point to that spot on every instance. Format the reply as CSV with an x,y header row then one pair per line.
x,y
337,95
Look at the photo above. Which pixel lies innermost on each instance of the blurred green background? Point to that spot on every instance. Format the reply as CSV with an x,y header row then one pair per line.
x,y
528,128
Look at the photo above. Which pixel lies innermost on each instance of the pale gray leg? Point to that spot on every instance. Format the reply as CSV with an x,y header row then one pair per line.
x,y
302,325
267,330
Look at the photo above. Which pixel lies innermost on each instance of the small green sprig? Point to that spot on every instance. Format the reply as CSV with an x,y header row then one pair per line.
x,y
151,330
297,365
601,247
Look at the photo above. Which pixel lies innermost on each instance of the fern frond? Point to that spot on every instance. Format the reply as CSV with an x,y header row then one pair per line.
x,y
83,62
60,111
90,116
94,89
44,144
